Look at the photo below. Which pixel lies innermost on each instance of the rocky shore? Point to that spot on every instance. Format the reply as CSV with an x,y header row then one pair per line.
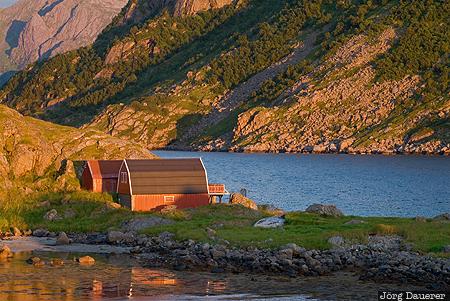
x,y
332,148
383,259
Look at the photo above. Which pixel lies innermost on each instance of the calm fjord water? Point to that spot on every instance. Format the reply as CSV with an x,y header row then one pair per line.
x,y
358,185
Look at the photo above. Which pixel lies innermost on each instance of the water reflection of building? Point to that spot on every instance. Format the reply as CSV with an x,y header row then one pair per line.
x,y
24,282
215,287
144,280
152,277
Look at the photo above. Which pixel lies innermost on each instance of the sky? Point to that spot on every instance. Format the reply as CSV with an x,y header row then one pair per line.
x,y
6,3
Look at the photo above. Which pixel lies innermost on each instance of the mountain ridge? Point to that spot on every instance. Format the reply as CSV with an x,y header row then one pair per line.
x,y
360,87
40,29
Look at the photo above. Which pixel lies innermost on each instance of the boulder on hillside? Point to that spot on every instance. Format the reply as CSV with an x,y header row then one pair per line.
x,y
52,215
442,217
355,222
237,198
271,210
270,222
325,210
336,241
139,223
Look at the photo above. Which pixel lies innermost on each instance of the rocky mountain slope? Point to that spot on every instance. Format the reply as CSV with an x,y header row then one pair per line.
x,y
33,30
35,149
290,76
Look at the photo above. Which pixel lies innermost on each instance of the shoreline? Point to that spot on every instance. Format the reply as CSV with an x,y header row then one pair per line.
x,y
301,152
384,259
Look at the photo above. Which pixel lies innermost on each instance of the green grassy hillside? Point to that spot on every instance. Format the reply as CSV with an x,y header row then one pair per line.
x,y
34,153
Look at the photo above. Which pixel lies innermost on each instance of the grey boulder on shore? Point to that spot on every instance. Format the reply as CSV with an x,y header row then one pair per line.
x,y
270,222
325,210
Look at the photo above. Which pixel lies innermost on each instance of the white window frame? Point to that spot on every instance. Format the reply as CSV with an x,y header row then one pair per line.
x,y
169,199
124,177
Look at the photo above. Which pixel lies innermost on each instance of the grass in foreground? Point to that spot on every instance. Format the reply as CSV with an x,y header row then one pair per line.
x,y
235,224
92,212
79,211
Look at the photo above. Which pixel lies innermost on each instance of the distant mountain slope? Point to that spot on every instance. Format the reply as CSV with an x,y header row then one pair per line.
x,y
31,30
257,75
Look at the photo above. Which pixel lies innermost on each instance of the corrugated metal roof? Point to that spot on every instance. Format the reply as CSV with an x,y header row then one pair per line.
x,y
102,169
167,176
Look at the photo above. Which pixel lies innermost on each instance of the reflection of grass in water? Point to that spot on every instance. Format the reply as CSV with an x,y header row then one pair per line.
x,y
233,223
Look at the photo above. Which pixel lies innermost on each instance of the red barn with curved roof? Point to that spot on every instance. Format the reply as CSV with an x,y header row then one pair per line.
x,y
152,184
101,175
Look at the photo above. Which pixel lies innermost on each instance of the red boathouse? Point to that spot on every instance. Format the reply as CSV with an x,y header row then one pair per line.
x,y
101,175
152,184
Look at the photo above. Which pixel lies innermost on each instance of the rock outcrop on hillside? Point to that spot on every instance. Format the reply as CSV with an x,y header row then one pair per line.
x,y
338,107
32,30
191,7
137,11
32,147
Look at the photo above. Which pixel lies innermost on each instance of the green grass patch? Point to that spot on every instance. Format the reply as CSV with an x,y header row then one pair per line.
x,y
84,211
235,224
80,211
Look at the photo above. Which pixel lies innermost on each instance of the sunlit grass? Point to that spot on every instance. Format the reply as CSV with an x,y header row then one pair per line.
x,y
83,211
235,224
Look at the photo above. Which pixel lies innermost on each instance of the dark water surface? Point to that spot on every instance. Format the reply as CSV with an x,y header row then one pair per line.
x,y
358,185
119,277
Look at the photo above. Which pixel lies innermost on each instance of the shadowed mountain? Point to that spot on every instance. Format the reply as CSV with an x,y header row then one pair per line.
x,y
32,30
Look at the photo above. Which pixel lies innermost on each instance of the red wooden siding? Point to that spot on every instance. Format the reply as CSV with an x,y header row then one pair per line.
x,y
156,201
86,179
101,176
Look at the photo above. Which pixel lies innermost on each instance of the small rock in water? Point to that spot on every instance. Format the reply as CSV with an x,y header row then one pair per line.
x,y
56,262
325,210
62,239
355,222
270,222
88,260
36,261
5,252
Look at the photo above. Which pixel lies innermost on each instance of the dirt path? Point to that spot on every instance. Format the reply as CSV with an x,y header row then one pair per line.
x,y
242,92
